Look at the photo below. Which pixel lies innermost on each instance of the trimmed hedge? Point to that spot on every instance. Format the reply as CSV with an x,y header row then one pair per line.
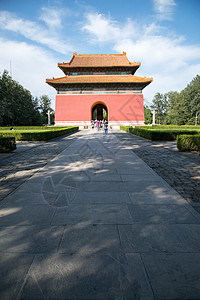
x,y
31,128
38,135
188,142
158,134
126,128
7,144
192,127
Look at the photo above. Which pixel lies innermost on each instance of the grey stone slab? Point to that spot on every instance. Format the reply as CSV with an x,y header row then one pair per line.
x,y
26,215
174,276
93,214
94,277
105,170
193,210
101,197
22,199
162,214
154,197
124,153
50,184
69,174
144,177
13,268
134,170
106,177
60,199
145,186
102,186
54,184
127,161
66,162
37,178
29,187
63,178
75,176
92,175
30,239
90,239
165,238
130,163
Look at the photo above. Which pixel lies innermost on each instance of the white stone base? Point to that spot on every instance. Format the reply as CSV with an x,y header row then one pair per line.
x,y
81,124
116,124
111,124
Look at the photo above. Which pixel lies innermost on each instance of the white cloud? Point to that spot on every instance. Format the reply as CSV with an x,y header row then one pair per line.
x,y
145,43
159,52
31,65
164,9
105,29
170,82
52,17
34,32
167,58
101,28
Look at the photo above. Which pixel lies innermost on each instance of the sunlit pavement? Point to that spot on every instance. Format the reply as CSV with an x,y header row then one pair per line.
x,y
97,223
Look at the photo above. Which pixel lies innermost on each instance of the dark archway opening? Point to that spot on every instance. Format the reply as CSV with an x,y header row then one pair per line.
x,y
99,112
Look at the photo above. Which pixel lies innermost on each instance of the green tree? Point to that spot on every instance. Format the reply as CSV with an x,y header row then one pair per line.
x,y
37,118
172,116
16,104
5,97
192,95
147,115
184,106
161,106
178,108
45,105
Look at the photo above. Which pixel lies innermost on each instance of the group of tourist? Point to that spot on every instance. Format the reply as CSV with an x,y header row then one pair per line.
x,y
99,124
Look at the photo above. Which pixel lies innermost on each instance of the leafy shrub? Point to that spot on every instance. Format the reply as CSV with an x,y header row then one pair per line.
x,y
175,127
157,134
126,128
7,144
188,142
31,128
38,135
167,127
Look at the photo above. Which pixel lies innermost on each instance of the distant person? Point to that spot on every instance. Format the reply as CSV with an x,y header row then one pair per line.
x,y
98,125
106,127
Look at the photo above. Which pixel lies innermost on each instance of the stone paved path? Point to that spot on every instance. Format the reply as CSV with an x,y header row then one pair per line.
x,y
181,170
28,158
96,222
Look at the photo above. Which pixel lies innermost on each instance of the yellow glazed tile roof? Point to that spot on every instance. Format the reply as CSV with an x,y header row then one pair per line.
x,y
99,60
99,79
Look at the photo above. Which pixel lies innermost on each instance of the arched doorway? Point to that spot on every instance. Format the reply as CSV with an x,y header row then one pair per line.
x,y
99,112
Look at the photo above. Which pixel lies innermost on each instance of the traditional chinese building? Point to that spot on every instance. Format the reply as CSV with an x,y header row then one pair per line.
x,y
99,86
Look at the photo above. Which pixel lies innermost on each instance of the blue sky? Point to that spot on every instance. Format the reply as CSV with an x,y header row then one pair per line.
x,y
161,34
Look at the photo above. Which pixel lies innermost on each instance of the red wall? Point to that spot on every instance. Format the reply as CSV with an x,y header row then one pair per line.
x,y
127,107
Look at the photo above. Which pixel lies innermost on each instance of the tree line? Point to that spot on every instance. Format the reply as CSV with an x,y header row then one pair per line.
x,y
17,105
176,108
